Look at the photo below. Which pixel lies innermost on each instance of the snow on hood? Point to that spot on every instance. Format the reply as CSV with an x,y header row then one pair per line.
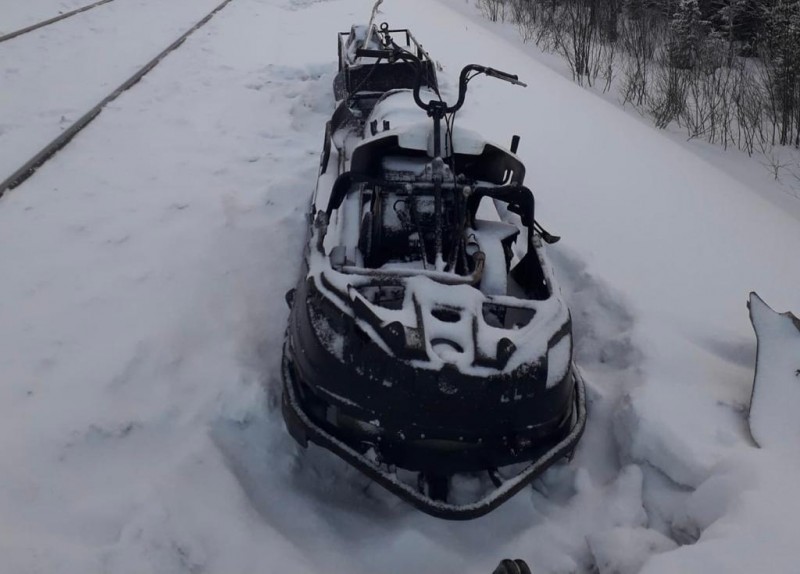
x,y
413,127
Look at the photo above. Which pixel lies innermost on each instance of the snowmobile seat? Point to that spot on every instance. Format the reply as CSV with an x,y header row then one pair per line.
x,y
495,239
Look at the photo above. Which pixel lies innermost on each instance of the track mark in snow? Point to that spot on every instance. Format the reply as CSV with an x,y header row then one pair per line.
x,y
616,436
131,367
740,352
33,164
603,328
49,21
603,323
605,347
181,245
302,4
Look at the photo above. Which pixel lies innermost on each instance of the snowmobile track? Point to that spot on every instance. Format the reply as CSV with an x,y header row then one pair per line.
x,y
51,149
43,23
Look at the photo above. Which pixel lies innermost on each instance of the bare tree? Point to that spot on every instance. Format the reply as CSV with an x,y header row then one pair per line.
x,y
493,9
688,62
640,35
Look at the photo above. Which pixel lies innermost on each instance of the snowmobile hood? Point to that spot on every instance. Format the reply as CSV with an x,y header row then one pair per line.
x,y
397,108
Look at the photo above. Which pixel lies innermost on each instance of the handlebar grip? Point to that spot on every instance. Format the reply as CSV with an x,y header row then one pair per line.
x,y
503,75
513,78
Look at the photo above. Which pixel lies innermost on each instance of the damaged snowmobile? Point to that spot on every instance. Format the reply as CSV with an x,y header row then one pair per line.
x,y
428,344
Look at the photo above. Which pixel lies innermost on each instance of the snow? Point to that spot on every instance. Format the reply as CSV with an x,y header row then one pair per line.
x,y
17,15
60,82
624,550
142,312
489,237
773,418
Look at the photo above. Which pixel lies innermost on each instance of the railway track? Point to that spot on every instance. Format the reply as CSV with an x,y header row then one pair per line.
x,y
43,23
52,148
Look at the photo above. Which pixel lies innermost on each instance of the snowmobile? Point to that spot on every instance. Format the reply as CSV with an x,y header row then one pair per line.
x,y
428,344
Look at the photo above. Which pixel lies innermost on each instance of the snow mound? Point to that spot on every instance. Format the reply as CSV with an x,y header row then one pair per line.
x,y
744,516
625,550
773,418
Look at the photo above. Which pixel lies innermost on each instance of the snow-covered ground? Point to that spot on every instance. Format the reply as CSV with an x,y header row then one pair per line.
x,y
758,172
52,76
17,15
142,313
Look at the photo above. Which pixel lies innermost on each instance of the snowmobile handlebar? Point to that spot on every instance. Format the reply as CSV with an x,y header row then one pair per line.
x,y
465,78
511,78
437,107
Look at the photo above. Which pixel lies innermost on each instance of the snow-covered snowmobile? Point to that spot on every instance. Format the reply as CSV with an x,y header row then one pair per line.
x,y
428,344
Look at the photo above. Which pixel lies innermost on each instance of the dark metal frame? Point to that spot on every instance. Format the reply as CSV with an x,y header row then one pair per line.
x,y
305,430
358,82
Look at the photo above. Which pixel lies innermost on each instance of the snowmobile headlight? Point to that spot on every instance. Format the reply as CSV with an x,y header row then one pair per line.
x,y
323,313
504,317
329,330
386,296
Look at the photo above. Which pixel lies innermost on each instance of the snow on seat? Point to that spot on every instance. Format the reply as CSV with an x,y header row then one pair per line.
x,y
490,236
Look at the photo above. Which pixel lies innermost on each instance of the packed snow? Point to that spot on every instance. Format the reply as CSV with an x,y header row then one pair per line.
x,y
65,69
19,15
773,418
142,312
